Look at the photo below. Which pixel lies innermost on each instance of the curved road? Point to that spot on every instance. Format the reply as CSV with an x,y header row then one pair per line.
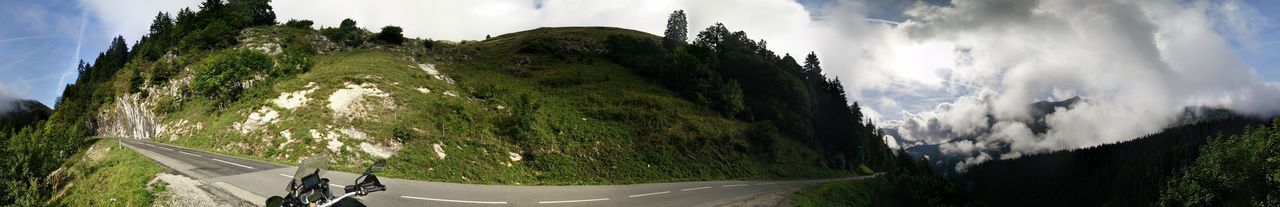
x,y
254,180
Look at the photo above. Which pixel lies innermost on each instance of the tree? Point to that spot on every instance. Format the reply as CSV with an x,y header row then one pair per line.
x,y
161,25
677,30
391,35
258,12
347,24
346,34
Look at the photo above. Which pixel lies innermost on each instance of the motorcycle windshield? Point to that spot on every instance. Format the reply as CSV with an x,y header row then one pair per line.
x,y
311,165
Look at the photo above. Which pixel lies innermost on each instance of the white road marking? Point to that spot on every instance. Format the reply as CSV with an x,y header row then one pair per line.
x,y
697,188
573,201
648,194
734,185
244,166
166,148
189,154
455,201
290,176
765,183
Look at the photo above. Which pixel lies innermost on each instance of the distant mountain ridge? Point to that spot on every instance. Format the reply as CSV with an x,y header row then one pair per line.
x,y
1130,173
23,113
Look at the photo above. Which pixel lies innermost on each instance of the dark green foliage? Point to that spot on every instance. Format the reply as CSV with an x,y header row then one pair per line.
x,y
677,30
24,113
561,48
1237,170
391,35
912,183
156,43
300,24
800,100
221,76
526,126
1123,174
346,34
253,12
31,154
428,43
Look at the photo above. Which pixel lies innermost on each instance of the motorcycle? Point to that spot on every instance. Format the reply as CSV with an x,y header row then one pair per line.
x,y
308,187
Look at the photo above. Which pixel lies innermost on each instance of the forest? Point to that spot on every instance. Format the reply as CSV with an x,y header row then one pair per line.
x,y
1131,173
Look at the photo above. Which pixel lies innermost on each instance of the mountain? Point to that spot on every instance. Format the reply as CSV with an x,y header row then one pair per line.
x,y
544,106
23,113
946,163
1130,173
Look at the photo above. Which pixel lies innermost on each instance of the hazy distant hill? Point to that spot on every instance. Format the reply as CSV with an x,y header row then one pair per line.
x,y
23,113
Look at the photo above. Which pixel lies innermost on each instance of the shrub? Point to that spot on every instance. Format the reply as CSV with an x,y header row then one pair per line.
x,y
300,24
428,43
346,34
391,35
220,77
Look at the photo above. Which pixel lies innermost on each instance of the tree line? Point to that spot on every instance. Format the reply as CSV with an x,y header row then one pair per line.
x,y
741,78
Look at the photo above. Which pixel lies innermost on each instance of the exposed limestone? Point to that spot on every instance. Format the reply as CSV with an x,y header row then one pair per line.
x,y
257,119
379,151
431,69
357,101
291,100
128,117
439,149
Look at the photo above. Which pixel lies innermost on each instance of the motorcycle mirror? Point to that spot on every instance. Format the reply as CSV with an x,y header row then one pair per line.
x,y
377,167
275,201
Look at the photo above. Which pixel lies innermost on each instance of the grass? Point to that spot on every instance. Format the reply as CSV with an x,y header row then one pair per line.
x,y
570,115
844,193
109,174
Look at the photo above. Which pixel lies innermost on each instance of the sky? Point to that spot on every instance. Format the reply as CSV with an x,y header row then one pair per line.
x,y
928,70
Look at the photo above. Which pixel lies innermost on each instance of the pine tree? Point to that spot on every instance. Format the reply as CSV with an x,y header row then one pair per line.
x,y
677,30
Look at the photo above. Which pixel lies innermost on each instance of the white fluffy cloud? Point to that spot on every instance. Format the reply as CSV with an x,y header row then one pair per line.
x,y
1136,63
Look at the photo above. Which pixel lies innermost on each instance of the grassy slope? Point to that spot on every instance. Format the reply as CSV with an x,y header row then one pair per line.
x,y
594,123
110,175
845,193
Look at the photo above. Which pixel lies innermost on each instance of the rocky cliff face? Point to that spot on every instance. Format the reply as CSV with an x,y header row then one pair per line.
x,y
129,117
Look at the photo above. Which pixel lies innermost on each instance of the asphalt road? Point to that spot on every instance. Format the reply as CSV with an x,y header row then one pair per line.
x,y
250,180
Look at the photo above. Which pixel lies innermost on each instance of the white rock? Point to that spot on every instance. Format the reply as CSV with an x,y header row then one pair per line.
x,y
354,100
439,149
291,100
378,151
515,156
424,90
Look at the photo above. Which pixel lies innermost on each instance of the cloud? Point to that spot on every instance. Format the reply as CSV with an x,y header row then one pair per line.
x,y
1136,63
6,99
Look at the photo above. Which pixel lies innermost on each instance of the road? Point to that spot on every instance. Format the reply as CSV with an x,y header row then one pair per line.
x,y
255,180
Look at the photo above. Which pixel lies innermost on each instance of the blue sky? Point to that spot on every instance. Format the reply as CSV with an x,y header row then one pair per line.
x,y
41,41
40,45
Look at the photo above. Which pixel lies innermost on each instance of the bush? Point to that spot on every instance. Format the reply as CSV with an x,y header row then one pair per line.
x,y
300,24
391,35
428,43
220,77
1241,170
346,34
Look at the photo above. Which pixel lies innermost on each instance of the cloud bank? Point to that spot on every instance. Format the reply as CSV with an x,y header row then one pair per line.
x,y
930,71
